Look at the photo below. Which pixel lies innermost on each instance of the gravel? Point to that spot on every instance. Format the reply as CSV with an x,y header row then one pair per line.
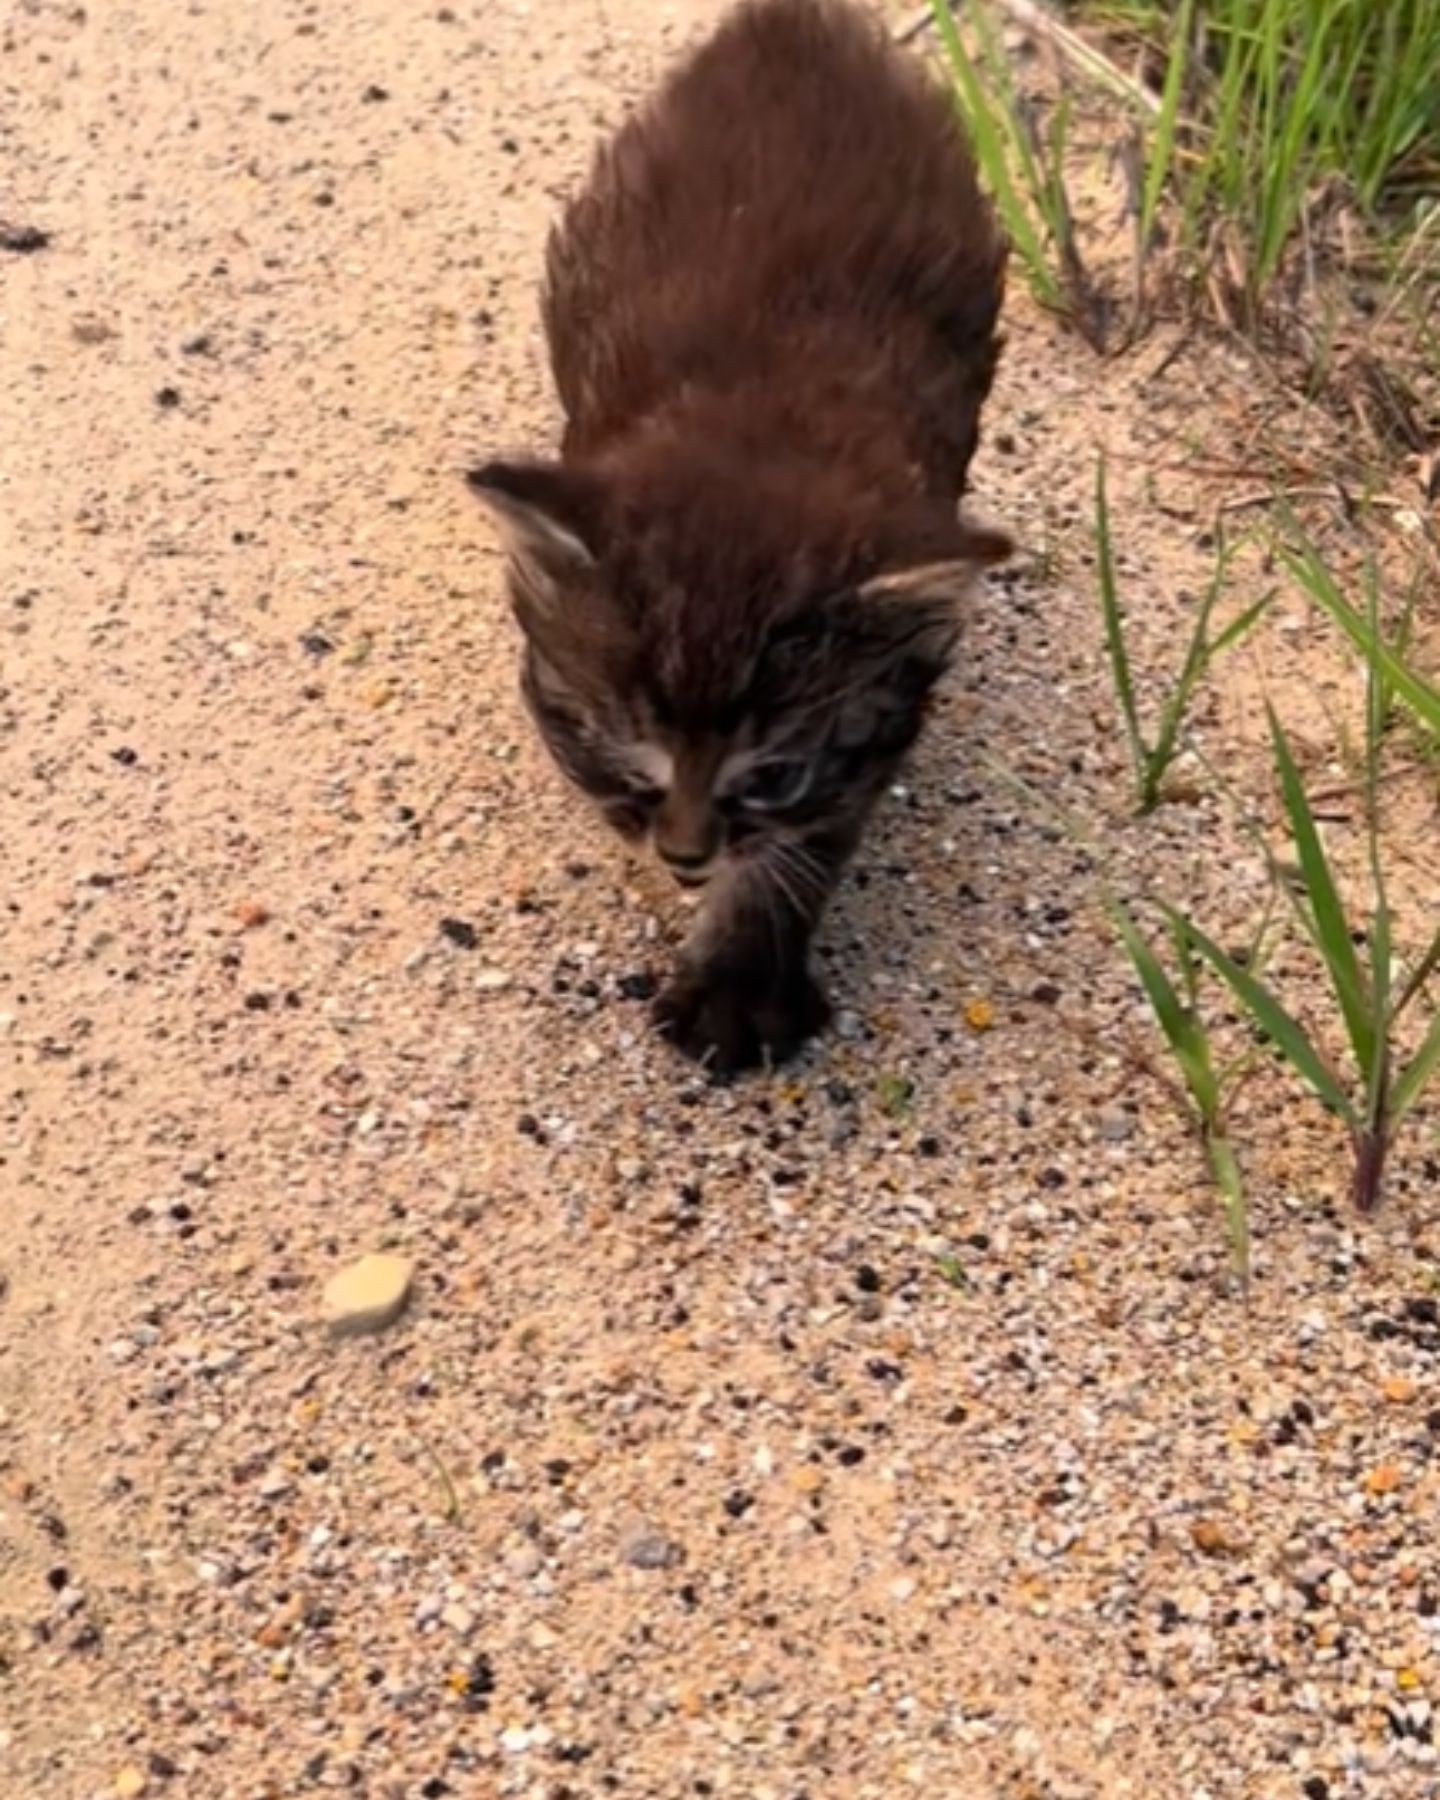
x,y
885,1425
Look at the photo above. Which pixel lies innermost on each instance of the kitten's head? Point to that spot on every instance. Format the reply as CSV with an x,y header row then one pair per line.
x,y
721,688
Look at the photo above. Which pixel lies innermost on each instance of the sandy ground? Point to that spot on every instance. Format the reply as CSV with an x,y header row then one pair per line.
x,y
886,1427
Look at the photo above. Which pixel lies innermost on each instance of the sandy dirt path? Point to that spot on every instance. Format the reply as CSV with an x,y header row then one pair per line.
x,y
877,1429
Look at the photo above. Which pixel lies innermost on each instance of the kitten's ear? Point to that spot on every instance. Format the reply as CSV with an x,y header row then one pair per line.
x,y
911,614
922,596
945,578
546,516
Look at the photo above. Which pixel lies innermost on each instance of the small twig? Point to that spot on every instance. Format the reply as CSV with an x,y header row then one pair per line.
x,y
447,1485
1068,43
1350,790
1267,496
1183,341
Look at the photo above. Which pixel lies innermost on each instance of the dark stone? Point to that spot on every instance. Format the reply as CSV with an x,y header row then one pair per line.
x,y
23,240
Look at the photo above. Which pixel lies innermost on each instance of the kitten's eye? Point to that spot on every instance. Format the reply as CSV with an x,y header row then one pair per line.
x,y
770,786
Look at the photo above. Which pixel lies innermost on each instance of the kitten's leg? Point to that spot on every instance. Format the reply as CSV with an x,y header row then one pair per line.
x,y
743,992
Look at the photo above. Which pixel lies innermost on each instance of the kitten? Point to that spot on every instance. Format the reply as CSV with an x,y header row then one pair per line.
x,y
771,316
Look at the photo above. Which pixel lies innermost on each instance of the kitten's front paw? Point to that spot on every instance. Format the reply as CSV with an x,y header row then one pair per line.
x,y
730,1024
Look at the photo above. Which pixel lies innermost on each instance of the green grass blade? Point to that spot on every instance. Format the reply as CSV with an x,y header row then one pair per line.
x,y
1377,714
1178,1025
1324,918
1172,713
1381,934
1161,155
1199,659
1190,1047
1188,963
1416,1075
1421,973
1382,965
999,145
1115,629
1240,627
1010,107
1295,134
1225,1172
1281,1027
1317,581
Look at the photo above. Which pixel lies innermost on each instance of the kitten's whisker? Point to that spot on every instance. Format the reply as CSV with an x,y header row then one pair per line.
x,y
807,878
767,885
773,891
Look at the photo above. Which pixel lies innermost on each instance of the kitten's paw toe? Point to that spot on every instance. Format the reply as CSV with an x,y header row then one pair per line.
x,y
730,1025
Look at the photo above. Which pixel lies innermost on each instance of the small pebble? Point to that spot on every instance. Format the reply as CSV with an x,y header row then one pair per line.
x,y
1211,1538
524,1561
23,240
1115,1125
369,1296
643,1548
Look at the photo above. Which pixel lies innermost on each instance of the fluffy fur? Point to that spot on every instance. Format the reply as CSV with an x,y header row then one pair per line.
x,y
772,320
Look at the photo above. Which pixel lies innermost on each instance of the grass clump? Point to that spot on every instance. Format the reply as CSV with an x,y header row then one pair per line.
x,y
1209,1087
1354,1062
1254,128
1370,993
1343,87
1024,173
1151,758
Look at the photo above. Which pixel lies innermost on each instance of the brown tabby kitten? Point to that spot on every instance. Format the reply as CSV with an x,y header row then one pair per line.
x,y
771,316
